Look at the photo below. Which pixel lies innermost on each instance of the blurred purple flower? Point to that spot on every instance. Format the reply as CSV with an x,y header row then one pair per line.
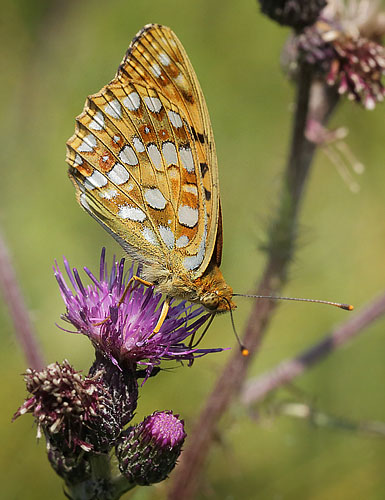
x,y
345,43
124,333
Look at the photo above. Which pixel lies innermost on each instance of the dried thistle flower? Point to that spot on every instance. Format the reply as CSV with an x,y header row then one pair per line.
x,y
72,411
338,46
357,17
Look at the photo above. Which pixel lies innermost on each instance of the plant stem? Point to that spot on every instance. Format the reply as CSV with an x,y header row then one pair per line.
x,y
257,388
18,311
101,485
321,419
313,100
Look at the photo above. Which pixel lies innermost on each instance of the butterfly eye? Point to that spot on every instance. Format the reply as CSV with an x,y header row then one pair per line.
x,y
210,301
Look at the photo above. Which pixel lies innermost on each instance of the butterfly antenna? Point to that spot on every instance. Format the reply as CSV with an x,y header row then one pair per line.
x,y
244,350
346,307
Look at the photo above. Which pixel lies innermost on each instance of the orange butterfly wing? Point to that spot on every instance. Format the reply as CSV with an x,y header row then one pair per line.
x,y
143,157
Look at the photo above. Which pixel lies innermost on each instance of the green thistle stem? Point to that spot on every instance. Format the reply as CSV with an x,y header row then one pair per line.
x,y
102,485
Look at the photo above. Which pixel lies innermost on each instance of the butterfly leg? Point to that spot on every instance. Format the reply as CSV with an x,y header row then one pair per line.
x,y
193,345
162,317
136,280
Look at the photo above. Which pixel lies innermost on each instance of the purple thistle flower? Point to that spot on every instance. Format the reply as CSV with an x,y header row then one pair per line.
x,y
124,333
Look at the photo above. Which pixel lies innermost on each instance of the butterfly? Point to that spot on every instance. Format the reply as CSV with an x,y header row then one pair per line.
x,y
144,165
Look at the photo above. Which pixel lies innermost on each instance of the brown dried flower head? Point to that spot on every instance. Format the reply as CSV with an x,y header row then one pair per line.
x,y
344,45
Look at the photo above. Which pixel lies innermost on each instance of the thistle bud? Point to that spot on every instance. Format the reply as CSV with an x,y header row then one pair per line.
x,y
148,452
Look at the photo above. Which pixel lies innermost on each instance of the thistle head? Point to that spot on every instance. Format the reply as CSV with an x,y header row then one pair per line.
x,y
123,332
148,452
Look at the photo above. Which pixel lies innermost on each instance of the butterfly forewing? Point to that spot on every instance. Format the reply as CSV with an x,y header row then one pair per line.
x,y
157,57
142,157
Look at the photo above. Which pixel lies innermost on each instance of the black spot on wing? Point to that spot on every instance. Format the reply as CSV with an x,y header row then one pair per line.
x,y
204,168
187,95
198,136
207,194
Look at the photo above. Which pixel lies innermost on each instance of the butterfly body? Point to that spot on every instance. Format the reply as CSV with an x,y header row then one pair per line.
x,y
210,290
143,163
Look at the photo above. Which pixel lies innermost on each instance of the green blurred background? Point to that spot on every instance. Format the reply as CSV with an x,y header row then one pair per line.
x,y
55,53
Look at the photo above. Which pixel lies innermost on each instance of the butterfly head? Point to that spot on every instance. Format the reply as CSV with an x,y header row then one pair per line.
x,y
217,297
214,293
